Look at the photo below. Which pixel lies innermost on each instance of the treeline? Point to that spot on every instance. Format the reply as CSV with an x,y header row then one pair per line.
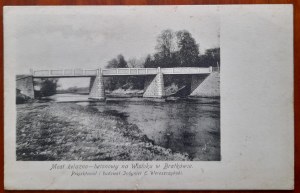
x,y
130,82
173,49
74,89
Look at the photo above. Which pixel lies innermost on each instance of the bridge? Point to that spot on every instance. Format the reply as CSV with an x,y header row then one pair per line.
x,y
153,86
116,72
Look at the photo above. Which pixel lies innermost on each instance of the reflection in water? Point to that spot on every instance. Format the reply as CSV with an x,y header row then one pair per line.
x,y
185,126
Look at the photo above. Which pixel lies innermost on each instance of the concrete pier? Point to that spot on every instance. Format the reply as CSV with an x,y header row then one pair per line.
x,y
92,80
154,86
98,92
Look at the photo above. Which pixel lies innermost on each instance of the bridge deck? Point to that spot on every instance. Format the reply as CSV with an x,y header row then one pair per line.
x,y
117,72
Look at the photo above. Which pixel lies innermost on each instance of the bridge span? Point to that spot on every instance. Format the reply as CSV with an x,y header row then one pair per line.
x,y
153,86
117,72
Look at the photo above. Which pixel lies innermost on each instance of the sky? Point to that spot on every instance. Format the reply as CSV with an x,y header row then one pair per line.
x,y
89,36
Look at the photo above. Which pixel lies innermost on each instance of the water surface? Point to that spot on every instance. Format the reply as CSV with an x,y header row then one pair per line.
x,y
190,126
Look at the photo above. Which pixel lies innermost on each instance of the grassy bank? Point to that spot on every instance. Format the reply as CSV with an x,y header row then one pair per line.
x,y
52,131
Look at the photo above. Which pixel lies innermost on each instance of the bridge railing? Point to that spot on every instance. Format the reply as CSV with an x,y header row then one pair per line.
x,y
121,71
152,71
65,72
129,71
185,70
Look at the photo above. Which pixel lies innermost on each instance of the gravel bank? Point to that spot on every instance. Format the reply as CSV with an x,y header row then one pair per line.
x,y
52,131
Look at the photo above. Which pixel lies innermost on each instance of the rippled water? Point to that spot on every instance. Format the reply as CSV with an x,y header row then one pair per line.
x,y
189,126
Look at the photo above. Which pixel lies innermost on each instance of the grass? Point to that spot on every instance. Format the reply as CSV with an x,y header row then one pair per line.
x,y
67,131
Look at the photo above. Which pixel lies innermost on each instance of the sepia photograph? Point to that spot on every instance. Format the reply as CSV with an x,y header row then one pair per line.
x,y
100,85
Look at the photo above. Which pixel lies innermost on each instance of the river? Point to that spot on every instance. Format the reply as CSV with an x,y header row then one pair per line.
x,y
190,126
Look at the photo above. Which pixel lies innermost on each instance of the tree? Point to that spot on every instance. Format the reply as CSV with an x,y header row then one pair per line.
x,y
149,62
135,63
115,82
48,86
165,49
122,62
210,58
188,50
177,49
165,43
118,62
174,49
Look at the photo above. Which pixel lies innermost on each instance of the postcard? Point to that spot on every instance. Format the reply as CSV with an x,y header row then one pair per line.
x,y
187,97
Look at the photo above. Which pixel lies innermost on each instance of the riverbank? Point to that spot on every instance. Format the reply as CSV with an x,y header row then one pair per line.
x,y
52,131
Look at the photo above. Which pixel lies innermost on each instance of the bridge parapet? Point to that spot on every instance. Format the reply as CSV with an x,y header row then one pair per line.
x,y
154,84
119,72
186,70
65,73
129,71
